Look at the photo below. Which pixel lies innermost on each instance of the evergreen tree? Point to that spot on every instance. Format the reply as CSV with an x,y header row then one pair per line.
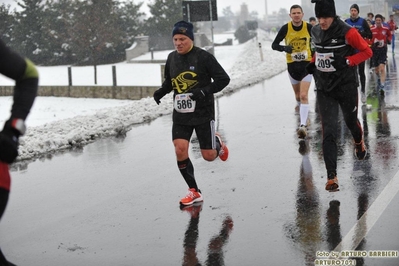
x,y
129,22
100,30
7,23
28,31
95,34
53,32
165,13
56,25
228,17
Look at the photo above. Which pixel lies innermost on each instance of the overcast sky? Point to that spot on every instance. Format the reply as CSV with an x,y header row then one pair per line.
x,y
257,5
253,5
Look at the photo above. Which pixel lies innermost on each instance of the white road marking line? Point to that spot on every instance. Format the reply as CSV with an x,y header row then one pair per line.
x,y
370,217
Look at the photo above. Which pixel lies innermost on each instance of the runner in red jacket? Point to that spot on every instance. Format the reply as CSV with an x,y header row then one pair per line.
x,y
380,40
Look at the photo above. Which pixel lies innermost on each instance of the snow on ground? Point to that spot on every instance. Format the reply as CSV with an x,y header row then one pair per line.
x,y
56,124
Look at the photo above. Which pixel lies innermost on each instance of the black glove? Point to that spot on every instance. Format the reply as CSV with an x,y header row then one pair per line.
x,y
363,34
339,62
288,49
388,42
376,44
311,67
199,93
9,141
158,94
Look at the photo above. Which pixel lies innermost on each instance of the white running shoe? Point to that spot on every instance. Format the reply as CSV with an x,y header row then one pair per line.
x,y
302,132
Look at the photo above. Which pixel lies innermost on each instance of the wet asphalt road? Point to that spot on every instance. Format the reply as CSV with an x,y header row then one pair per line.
x,y
115,202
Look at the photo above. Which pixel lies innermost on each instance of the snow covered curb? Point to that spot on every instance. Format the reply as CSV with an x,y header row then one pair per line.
x,y
81,130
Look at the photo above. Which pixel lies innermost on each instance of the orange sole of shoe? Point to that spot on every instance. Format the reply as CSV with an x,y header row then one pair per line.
x,y
225,155
191,202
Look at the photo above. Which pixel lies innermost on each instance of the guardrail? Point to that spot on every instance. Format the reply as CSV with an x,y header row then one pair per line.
x,y
106,92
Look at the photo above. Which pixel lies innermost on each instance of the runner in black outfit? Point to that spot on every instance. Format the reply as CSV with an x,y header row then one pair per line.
x,y
339,48
26,79
193,75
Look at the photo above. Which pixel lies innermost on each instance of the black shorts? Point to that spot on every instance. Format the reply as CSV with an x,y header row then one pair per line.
x,y
379,56
297,70
205,134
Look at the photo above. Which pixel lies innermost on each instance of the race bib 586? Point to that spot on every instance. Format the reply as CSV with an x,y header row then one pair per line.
x,y
183,103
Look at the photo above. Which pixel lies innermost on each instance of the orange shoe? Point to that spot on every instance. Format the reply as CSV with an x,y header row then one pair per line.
x,y
191,197
224,151
332,184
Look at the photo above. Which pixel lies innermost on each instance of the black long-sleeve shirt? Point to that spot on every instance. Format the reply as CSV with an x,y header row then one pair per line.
x,y
196,69
282,33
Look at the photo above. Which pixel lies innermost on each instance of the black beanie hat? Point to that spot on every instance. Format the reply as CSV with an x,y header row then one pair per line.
x,y
355,6
185,28
324,8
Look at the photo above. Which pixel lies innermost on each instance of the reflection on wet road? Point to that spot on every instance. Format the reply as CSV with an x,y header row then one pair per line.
x,y
115,202
216,243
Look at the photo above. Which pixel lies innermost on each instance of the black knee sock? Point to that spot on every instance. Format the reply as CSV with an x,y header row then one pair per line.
x,y
3,203
187,171
3,200
3,260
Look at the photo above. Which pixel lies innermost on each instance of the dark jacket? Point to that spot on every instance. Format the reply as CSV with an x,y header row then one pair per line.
x,y
361,25
196,69
339,40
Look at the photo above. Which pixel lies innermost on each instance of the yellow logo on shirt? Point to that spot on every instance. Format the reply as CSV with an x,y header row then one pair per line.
x,y
184,81
299,44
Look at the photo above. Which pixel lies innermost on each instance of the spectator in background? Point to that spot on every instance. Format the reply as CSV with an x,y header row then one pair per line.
x,y
393,26
312,20
384,23
370,16
369,42
369,22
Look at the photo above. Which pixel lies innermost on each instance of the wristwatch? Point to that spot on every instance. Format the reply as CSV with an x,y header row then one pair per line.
x,y
348,62
19,125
